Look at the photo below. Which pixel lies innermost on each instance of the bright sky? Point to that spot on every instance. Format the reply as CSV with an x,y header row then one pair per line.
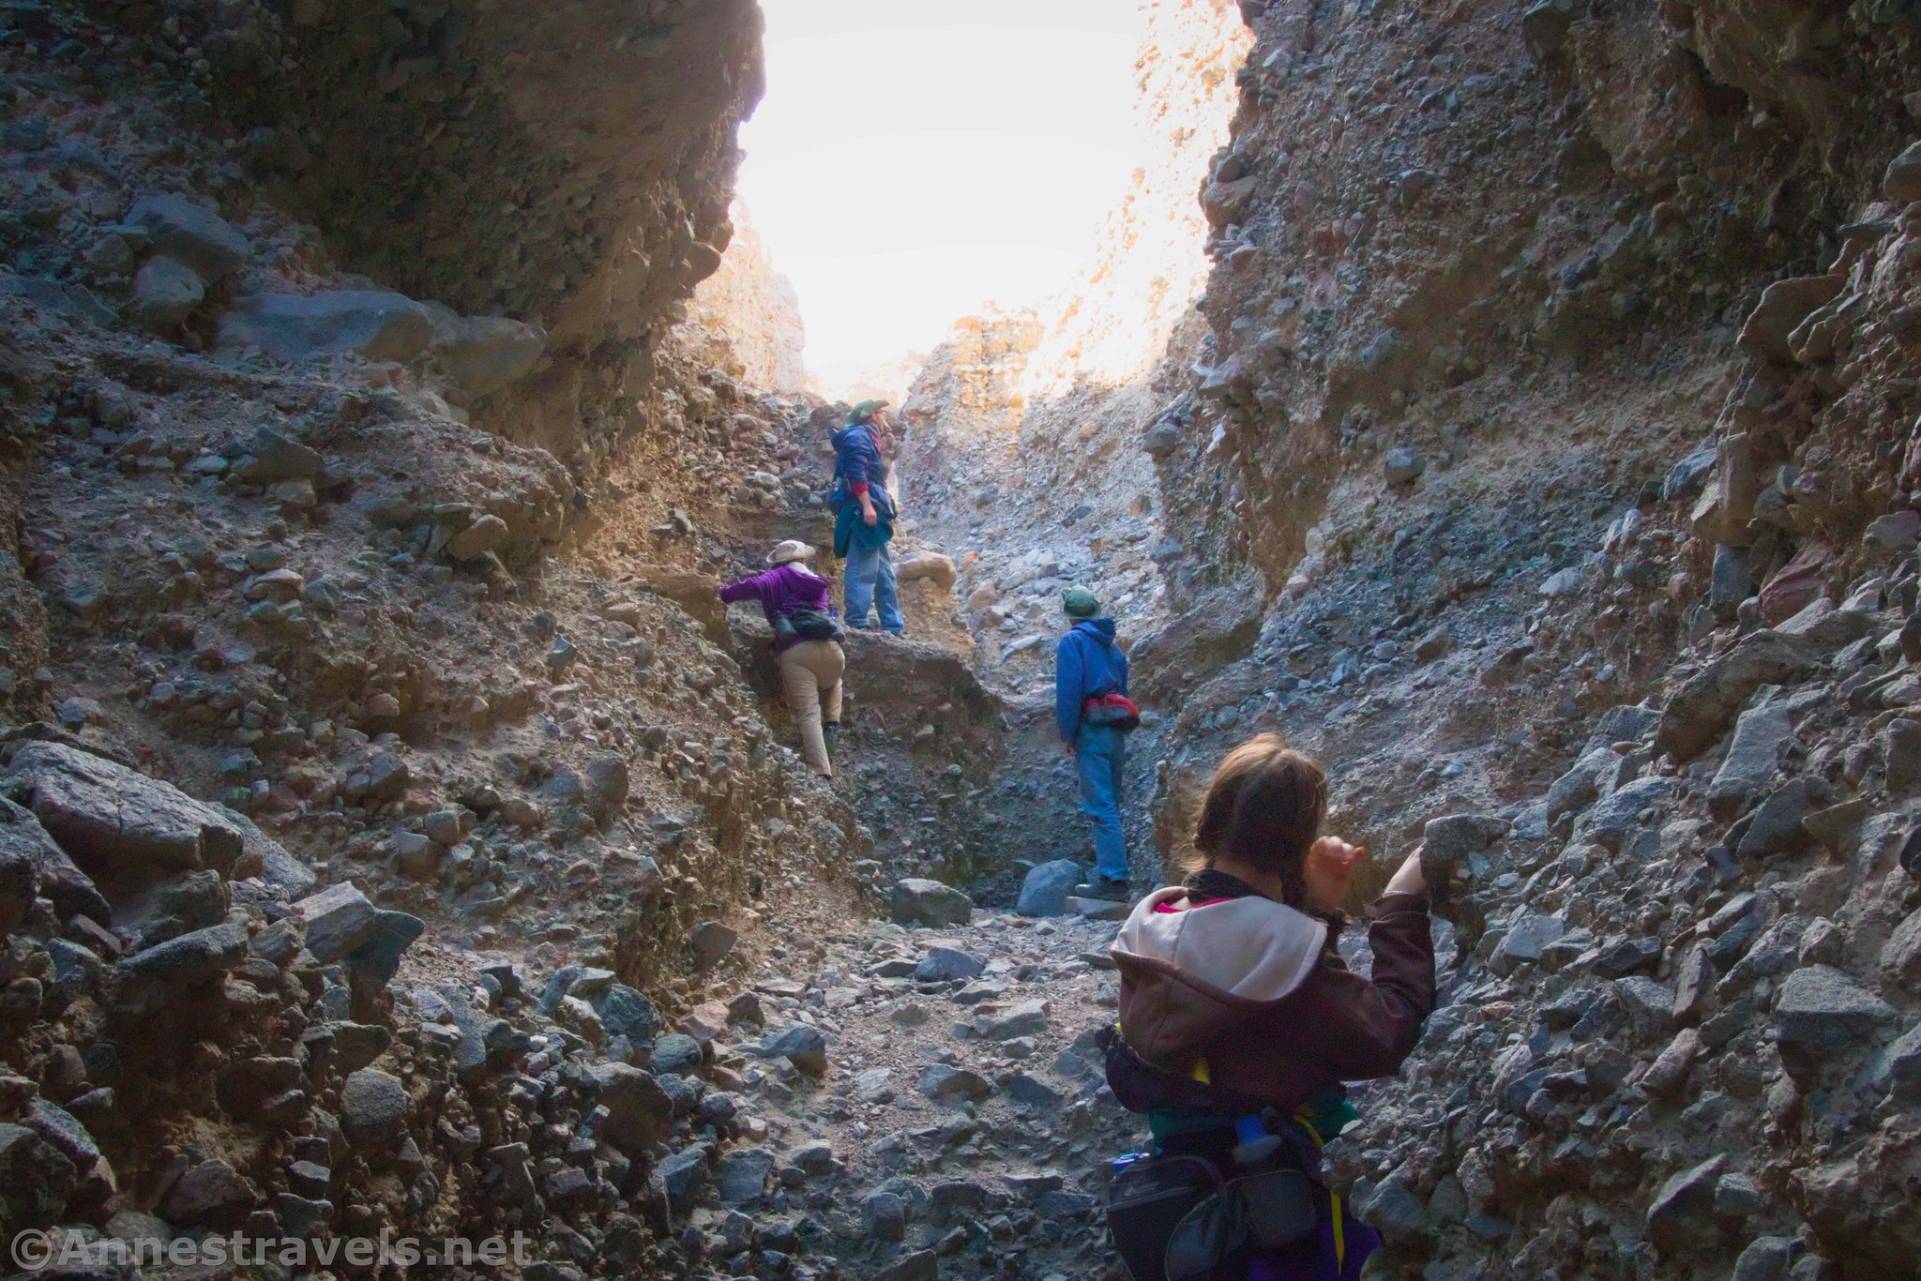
x,y
915,160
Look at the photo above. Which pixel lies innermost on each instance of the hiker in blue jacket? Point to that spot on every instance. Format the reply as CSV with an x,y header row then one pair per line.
x,y
864,523
1087,664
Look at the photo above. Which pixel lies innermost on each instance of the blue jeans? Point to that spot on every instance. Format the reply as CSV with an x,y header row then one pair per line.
x,y
870,582
1099,754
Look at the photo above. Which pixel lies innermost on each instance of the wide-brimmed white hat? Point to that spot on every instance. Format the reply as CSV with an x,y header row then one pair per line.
x,y
791,550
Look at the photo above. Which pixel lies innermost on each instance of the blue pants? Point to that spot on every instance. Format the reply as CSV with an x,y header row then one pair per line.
x,y
870,582
1099,754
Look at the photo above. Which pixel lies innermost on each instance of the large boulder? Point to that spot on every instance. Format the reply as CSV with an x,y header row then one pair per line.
x,y
1784,305
1695,715
1823,1008
192,960
1045,889
118,823
189,233
71,890
482,354
373,323
919,901
165,292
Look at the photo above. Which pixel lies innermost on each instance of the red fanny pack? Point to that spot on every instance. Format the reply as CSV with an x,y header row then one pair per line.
x,y
1115,711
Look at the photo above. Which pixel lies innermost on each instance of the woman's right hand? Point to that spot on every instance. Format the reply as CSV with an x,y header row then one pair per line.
x,y
1409,879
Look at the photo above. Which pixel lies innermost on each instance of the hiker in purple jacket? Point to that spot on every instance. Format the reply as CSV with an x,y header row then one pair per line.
x,y
810,669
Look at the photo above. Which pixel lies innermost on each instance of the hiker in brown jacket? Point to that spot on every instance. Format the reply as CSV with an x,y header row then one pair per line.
x,y
1233,979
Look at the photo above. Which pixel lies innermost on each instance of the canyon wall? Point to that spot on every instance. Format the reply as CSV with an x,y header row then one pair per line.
x,y
1550,387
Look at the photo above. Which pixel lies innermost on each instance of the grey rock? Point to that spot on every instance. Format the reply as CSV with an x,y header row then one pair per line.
x,y
742,1175
918,901
1544,27
165,292
191,233
711,942
377,959
946,1084
113,820
1901,750
1448,841
1901,181
1761,737
1026,1019
947,965
24,845
1681,1215
922,1265
36,1178
1030,1091
1730,582
638,1109
1526,938
1697,713
883,1216
339,919
684,1175
626,1012
1045,888
482,354
1402,465
194,958
208,1195
279,457
1898,1067
1592,776
676,1052
1098,909
1822,1007
1776,827
805,1047
1393,1210
371,323
373,1107
1766,1259
1619,815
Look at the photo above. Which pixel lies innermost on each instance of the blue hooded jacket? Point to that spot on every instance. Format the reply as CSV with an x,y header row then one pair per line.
x,y
857,458
1087,662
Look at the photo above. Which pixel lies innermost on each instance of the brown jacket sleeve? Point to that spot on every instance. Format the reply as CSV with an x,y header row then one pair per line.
x,y
1361,1029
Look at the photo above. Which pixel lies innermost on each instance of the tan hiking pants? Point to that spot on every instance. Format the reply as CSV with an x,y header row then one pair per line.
x,y
810,673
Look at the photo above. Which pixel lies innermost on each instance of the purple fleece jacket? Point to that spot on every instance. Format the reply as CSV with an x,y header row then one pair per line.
x,y
780,590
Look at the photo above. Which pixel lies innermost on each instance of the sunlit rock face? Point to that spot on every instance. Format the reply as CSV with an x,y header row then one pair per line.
x,y
750,314
1025,428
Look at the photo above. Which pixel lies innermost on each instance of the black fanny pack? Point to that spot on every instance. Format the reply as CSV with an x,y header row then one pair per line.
x,y
807,624
1213,1200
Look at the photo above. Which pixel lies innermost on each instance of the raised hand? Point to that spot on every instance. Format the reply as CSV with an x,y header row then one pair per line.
x,y
1329,868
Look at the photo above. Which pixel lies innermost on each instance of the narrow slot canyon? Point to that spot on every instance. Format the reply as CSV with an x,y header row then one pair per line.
x,y
1511,404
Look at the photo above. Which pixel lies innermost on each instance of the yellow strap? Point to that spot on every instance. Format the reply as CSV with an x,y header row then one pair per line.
x,y
1333,1197
1201,1072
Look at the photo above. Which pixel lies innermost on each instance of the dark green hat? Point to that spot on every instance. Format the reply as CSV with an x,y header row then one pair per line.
x,y
864,410
1078,602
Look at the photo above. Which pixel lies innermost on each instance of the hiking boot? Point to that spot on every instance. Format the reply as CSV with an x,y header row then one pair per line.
x,y
1103,888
